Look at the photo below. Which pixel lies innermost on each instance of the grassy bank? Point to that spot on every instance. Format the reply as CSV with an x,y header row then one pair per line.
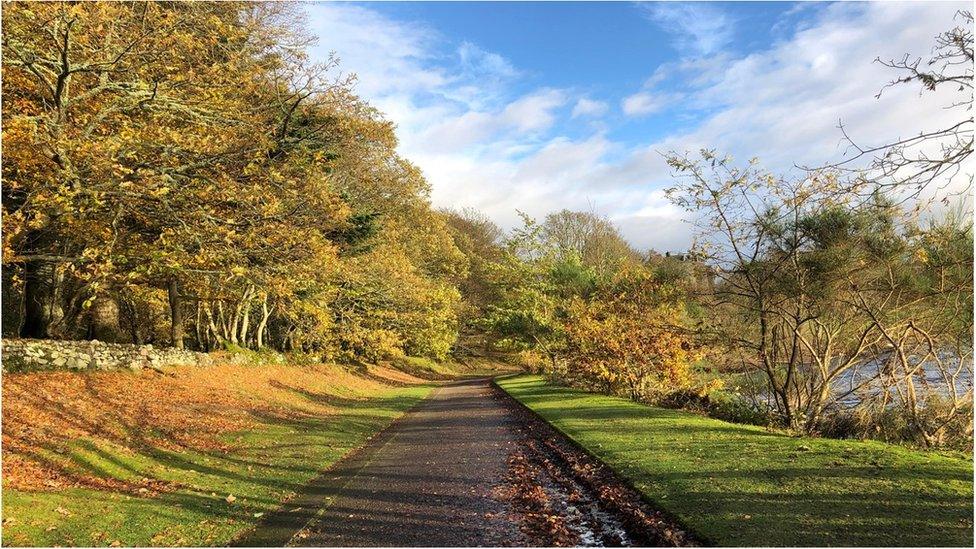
x,y
743,485
191,458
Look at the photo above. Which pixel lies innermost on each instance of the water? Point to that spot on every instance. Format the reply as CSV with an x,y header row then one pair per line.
x,y
854,385
869,375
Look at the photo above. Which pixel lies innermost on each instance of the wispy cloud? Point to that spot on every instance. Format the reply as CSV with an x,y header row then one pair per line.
x,y
697,28
586,107
362,37
784,103
644,103
478,62
522,118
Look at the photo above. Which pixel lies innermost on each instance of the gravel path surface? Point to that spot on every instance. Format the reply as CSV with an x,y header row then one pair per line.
x,y
430,479
466,467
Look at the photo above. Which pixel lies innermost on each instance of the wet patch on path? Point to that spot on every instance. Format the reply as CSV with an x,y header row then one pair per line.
x,y
565,497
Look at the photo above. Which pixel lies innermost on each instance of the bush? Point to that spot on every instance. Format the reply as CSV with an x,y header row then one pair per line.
x,y
720,404
895,424
531,361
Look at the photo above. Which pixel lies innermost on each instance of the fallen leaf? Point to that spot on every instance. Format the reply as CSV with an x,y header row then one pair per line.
x,y
230,499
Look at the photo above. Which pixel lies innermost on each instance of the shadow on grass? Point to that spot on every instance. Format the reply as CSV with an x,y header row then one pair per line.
x,y
740,484
261,466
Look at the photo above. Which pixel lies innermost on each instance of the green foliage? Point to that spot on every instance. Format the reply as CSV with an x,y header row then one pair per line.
x,y
571,278
620,327
814,284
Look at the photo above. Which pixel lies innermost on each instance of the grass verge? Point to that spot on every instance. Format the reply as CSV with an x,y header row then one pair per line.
x,y
193,458
425,368
743,485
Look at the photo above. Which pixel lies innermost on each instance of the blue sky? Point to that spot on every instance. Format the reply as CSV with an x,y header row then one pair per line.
x,y
550,105
604,49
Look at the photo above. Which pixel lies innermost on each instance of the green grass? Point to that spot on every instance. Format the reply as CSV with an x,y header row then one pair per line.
x,y
270,463
426,368
736,484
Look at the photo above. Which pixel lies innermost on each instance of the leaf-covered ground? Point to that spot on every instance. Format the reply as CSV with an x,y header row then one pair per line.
x,y
743,485
189,458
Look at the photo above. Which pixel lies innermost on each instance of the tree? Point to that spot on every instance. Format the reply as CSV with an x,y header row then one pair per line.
x,y
632,338
480,241
932,159
595,240
113,169
189,161
919,300
526,314
811,285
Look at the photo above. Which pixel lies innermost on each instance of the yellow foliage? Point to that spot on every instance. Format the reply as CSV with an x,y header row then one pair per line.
x,y
630,338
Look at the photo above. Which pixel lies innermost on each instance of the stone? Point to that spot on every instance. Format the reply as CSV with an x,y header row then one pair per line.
x,y
37,354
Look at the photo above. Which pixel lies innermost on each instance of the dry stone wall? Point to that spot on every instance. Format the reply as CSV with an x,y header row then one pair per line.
x,y
21,355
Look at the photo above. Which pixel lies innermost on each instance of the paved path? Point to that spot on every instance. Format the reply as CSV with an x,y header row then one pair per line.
x,y
429,480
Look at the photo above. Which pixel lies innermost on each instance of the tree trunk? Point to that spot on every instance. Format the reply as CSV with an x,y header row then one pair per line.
x,y
175,313
224,321
246,318
13,303
289,341
265,313
40,298
235,320
214,329
130,315
103,320
203,342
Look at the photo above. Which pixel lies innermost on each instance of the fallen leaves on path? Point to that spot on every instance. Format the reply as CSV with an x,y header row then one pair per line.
x,y
542,523
561,457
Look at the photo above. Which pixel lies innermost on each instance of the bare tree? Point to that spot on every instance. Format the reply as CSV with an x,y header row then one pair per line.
x,y
933,159
828,296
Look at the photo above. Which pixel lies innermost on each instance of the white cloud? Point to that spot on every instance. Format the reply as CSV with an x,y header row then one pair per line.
x,y
656,220
387,56
482,145
534,112
697,28
784,104
644,103
586,107
525,116
480,63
